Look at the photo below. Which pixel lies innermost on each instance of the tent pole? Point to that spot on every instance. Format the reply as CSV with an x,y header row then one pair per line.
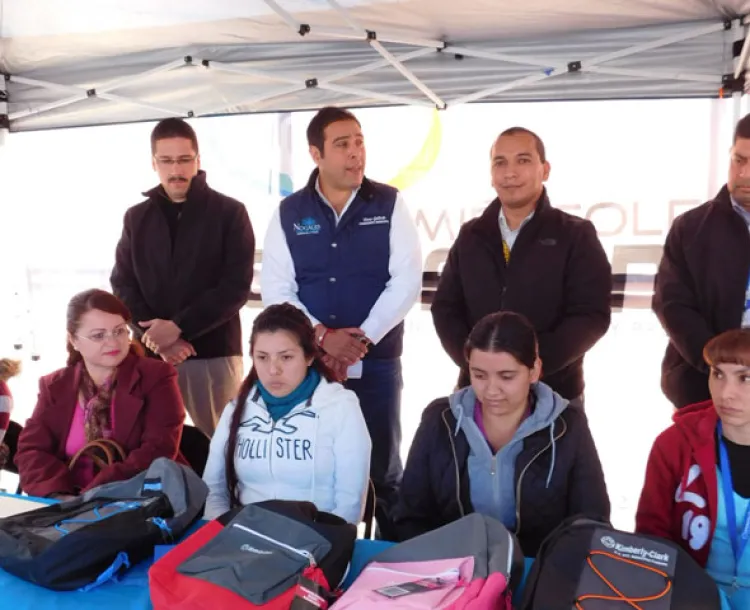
x,y
22,114
285,15
106,87
541,63
583,65
387,55
385,97
245,71
353,33
383,36
407,74
80,93
736,107
253,101
520,82
123,99
376,65
132,80
683,76
740,63
656,44
299,83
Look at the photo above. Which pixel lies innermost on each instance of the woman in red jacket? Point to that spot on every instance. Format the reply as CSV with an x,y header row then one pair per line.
x,y
697,487
108,390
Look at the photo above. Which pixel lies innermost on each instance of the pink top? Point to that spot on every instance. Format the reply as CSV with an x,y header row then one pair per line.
x,y
83,472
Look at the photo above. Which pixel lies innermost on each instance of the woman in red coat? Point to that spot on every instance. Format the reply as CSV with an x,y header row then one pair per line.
x,y
108,390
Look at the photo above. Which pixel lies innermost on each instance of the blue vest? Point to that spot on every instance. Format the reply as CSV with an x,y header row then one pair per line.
x,y
341,270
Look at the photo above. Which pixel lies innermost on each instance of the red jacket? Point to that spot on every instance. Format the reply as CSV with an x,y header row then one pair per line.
x,y
679,500
148,419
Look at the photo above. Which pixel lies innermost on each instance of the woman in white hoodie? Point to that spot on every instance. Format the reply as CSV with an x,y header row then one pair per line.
x,y
296,434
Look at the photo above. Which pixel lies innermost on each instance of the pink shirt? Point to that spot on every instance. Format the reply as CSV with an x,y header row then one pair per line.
x,y
83,472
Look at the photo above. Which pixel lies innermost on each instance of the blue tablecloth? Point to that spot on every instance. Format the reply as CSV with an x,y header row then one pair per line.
x,y
131,592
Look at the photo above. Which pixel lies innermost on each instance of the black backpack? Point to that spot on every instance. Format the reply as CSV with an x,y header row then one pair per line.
x,y
588,565
84,542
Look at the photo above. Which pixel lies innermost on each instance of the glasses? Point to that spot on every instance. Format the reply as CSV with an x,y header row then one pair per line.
x,y
101,336
180,161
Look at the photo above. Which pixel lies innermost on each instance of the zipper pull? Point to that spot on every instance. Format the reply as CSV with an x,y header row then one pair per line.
x,y
162,525
309,556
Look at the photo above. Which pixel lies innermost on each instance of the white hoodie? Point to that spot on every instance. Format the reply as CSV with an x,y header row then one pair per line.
x,y
319,452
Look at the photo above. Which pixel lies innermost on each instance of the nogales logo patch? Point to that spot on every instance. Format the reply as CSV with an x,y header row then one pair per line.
x,y
307,226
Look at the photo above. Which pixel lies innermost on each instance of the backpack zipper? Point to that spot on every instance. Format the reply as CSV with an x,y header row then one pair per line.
x,y
165,530
446,575
301,552
523,472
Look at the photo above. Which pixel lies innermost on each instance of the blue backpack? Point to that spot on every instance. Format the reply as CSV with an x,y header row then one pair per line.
x,y
84,542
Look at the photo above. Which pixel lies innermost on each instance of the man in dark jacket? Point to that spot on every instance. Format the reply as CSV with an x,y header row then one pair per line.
x,y
523,255
184,266
703,282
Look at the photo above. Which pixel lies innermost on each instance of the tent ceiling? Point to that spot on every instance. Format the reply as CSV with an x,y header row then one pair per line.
x,y
431,52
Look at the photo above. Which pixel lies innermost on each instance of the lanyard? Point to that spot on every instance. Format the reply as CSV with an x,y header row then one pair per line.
x,y
739,541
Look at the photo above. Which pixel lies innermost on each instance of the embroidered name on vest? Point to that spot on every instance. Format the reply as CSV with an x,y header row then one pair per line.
x,y
307,226
369,221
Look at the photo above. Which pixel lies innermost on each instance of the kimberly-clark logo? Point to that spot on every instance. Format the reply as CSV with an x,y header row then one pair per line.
x,y
307,226
635,552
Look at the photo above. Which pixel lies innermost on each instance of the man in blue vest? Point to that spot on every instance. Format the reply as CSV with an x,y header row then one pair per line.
x,y
345,250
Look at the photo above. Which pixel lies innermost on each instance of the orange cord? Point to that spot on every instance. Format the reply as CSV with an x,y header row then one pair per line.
x,y
621,597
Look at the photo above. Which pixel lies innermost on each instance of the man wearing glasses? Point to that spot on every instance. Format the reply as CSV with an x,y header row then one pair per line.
x,y
184,266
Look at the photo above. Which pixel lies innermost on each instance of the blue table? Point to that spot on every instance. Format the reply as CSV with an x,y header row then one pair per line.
x,y
131,592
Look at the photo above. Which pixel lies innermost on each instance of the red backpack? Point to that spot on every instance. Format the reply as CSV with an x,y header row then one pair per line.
x,y
261,556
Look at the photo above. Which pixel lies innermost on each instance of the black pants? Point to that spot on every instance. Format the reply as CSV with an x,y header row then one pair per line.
x,y
379,393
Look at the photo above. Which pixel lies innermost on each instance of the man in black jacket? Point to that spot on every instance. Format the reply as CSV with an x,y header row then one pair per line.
x,y
703,282
184,266
523,255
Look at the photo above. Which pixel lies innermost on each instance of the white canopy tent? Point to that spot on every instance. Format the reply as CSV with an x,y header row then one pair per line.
x,y
93,62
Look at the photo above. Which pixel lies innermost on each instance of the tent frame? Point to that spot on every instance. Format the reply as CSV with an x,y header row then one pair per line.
x,y
541,69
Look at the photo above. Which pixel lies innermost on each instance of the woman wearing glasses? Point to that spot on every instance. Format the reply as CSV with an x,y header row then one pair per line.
x,y
108,390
